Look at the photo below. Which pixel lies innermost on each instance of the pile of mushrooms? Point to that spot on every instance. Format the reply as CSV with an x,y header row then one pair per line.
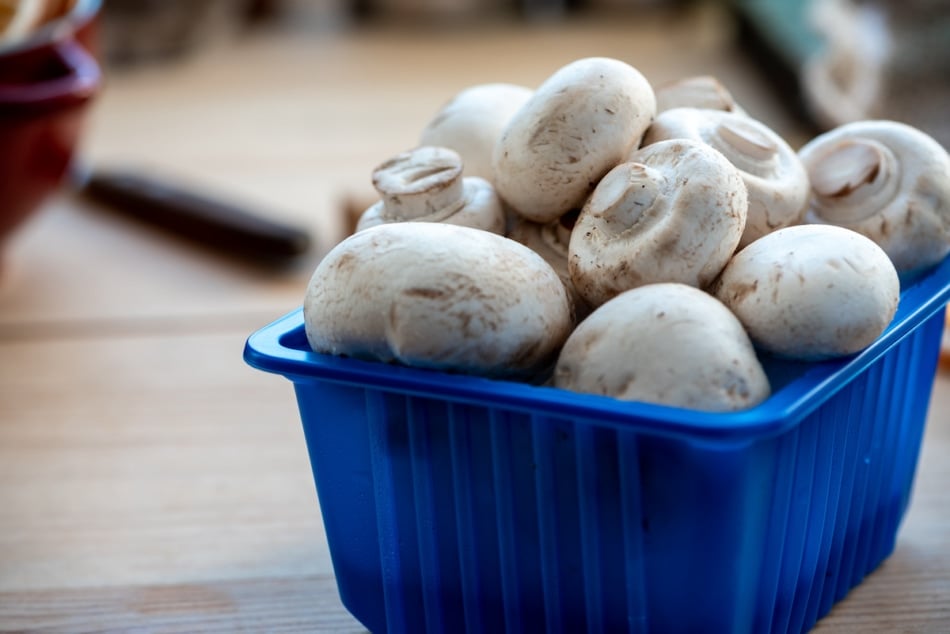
x,y
598,235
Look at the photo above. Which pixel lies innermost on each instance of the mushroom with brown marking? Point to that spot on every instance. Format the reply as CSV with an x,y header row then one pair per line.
x,y
472,122
578,125
811,292
438,296
887,181
426,185
675,213
670,344
775,178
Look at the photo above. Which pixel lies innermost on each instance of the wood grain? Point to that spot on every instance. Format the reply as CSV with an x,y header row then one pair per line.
x,y
281,605
148,458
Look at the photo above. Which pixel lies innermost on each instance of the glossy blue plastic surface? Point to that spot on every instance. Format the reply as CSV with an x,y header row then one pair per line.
x,y
459,504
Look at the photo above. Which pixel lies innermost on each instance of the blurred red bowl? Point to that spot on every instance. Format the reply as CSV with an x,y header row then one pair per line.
x,y
46,81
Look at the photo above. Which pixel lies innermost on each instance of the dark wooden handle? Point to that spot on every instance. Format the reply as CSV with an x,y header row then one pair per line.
x,y
214,222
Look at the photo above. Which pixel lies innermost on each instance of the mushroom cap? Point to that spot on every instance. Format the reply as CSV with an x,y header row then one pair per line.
x,y
664,343
887,181
426,185
673,214
580,123
811,292
701,91
775,178
438,296
472,122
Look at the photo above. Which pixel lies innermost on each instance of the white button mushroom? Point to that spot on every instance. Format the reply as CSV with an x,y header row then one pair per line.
x,y
674,214
776,181
472,122
426,185
664,343
887,181
581,122
438,296
702,91
811,292
551,242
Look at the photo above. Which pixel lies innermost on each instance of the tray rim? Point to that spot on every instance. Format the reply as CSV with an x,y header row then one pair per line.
x,y
268,349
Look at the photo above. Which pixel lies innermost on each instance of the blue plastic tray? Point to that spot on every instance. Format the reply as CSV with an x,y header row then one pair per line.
x,y
460,504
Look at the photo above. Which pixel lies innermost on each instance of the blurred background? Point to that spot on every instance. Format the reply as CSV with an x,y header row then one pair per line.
x,y
841,59
290,103
284,107
800,66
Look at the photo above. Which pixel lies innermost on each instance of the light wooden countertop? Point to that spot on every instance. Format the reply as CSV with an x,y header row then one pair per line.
x,y
149,479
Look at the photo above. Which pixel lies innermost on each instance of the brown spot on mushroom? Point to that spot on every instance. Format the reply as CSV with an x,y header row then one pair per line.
x,y
737,386
885,227
525,352
742,291
854,267
425,293
345,261
910,219
628,383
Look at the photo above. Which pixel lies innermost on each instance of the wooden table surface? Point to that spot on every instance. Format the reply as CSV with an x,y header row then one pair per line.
x,y
149,479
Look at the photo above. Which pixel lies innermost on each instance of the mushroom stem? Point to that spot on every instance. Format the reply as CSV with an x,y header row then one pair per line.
x,y
626,193
853,180
747,147
421,183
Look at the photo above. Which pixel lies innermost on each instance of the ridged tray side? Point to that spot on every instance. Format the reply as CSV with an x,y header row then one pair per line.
x,y
444,517
844,485
452,517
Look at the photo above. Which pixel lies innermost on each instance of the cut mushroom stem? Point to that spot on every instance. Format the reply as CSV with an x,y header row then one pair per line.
x,y
852,180
426,184
745,142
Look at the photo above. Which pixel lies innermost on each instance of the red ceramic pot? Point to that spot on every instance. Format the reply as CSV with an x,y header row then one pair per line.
x,y
46,82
